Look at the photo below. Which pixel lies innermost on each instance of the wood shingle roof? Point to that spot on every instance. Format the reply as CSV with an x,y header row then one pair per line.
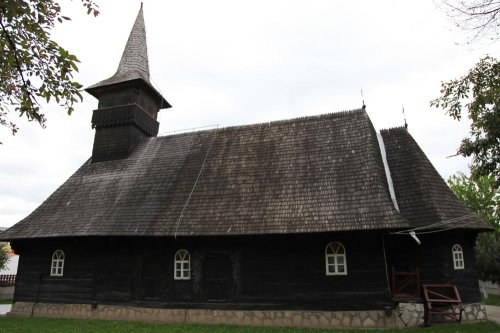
x,y
134,63
313,174
133,69
423,196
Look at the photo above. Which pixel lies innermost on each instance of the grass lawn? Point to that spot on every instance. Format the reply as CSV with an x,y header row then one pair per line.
x,y
46,325
492,300
5,301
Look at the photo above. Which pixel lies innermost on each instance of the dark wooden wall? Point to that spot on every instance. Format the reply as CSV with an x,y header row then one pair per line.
x,y
112,143
435,260
258,272
33,271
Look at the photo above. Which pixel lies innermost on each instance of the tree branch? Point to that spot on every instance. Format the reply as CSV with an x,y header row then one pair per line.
x,y
18,65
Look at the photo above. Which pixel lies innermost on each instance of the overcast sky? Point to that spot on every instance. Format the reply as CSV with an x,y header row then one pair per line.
x,y
244,62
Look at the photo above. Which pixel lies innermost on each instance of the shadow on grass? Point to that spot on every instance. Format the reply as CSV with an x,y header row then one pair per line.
x,y
50,325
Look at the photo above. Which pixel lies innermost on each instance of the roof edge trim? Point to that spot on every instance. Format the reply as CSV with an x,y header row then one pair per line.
x,y
387,170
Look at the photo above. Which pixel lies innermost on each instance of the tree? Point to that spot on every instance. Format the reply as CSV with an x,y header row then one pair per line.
x,y
487,259
481,17
482,196
478,95
34,67
4,258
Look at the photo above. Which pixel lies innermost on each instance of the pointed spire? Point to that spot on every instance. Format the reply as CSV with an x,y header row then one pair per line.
x,y
135,55
133,71
134,63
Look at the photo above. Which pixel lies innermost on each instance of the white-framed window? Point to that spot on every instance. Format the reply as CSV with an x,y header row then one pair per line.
x,y
57,266
182,265
335,259
458,257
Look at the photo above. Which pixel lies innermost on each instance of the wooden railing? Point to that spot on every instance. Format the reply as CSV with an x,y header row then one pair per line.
x,y
405,285
7,280
442,303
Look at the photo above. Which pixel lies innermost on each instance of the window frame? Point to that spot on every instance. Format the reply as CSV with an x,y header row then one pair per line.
x,y
457,254
57,263
335,255
182,257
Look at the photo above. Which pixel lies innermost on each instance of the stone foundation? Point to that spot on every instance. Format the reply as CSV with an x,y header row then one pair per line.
x,y
412,314
474,311
409,315
405,315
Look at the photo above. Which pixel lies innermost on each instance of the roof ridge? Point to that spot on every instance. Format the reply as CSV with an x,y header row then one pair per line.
x,y
393,128
273,122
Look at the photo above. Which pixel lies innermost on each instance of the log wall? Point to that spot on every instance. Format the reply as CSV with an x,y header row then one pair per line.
x,y
258,272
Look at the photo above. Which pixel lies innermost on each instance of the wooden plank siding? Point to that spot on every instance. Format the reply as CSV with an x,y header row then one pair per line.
x,y
434,257
34,280
267,272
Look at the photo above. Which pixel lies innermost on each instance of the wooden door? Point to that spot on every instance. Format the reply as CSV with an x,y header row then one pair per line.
x,y
151,281
218,277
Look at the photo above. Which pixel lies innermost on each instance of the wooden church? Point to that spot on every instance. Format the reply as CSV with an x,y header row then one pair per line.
x,y
303,222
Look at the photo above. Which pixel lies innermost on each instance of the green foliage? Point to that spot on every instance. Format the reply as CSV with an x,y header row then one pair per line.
x,y
482,196
487,258
34,67
492,300
4,258
51,325
478,95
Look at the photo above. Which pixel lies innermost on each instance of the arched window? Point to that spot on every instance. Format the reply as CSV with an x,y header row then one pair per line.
x,y
57,267
458,257
335,259
182,265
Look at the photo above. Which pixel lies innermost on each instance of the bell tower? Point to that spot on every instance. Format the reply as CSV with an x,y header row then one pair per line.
x,y
128,103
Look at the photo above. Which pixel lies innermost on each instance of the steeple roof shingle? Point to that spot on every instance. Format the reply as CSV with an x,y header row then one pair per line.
x,y
134,63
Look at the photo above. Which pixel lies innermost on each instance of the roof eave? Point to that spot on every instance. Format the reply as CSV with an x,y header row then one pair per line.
x,y
99,89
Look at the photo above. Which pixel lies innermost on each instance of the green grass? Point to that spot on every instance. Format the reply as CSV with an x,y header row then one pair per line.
x,y
492,300
47,325
5,301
